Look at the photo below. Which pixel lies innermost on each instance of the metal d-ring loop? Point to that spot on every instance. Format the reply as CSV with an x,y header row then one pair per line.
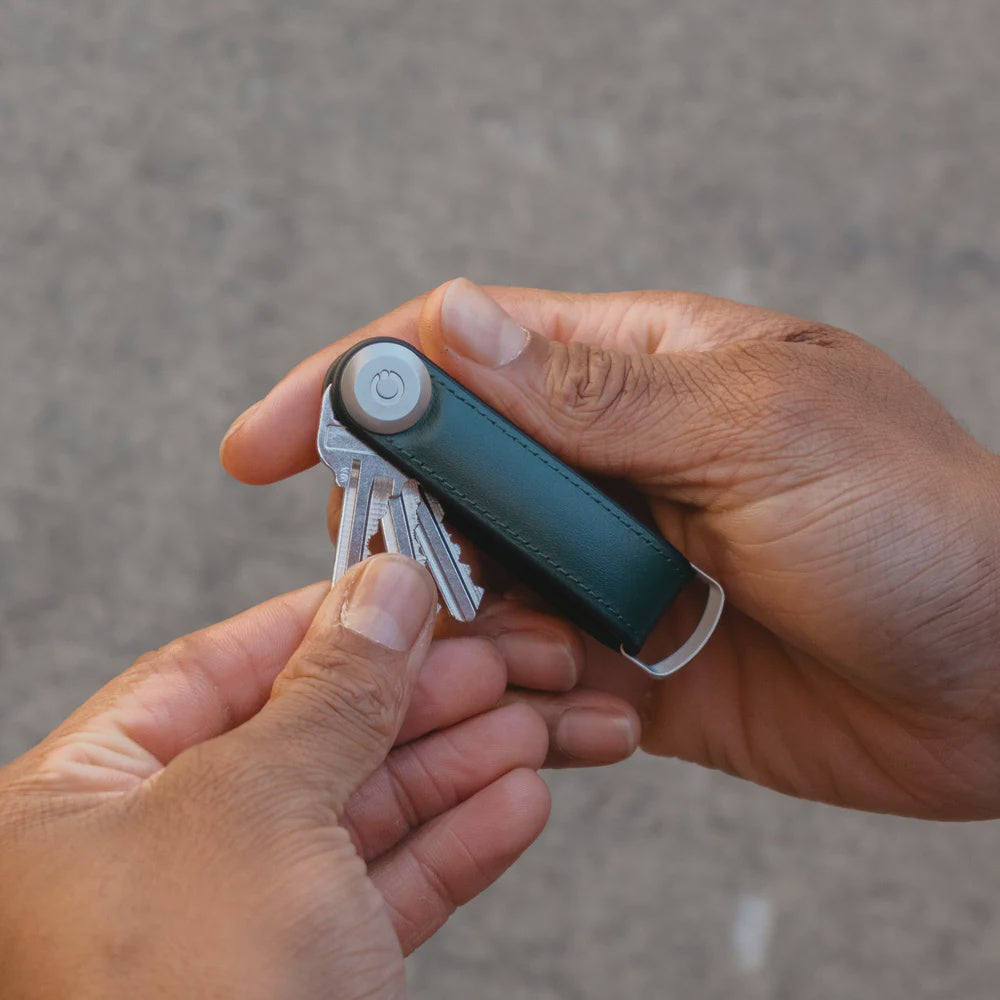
x,y
702,633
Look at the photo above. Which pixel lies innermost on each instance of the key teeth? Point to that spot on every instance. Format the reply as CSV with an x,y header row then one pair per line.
x,y
418,552
435,505
475,591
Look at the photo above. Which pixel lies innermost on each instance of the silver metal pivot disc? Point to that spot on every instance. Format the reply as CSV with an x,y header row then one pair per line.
x,y
385,388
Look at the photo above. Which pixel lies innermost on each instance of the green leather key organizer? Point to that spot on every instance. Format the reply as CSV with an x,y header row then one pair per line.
x,y
551,527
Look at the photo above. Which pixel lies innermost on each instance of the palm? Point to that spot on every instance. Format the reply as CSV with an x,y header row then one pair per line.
x,y
829,676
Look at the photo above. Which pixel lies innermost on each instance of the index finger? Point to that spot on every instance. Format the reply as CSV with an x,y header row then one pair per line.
x,y
276,438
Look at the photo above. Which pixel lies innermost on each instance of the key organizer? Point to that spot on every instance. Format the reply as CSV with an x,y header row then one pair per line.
x,y
582,552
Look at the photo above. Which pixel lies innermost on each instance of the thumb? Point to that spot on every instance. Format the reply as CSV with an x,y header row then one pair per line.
x,y
336,707
663,419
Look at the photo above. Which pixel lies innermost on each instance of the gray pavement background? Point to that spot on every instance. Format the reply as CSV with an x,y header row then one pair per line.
x,y
194,195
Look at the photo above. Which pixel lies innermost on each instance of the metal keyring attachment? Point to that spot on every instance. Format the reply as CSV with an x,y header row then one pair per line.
x,y
696,643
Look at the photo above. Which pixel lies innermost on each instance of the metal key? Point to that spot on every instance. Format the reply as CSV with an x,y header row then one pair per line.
x,y
438,552
367,481
378,496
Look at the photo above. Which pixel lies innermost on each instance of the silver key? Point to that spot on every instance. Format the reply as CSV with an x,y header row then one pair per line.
x,y
367,480
378,496
439,553
365,502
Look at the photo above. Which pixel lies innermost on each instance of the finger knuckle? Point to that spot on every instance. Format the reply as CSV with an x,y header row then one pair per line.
x,y
359,695
814,334
817,334
589,384
438,879
186,655
409,773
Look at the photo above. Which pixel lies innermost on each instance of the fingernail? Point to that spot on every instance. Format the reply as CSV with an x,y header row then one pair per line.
x,y
476,327
552,663
391,602
239,422
595,735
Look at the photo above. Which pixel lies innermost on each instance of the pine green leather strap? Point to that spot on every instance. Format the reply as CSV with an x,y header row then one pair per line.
x,y
556,531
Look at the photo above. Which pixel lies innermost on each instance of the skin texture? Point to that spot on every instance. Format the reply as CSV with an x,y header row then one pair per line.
x,y
277,806
852,521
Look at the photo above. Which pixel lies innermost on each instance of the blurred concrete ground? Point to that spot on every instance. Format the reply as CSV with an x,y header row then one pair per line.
x,y
193,196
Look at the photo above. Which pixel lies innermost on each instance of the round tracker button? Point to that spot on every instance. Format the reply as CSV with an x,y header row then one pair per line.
x,y
385,387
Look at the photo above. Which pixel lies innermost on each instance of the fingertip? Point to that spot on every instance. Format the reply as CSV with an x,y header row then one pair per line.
x,y
541,652
539,660
530,728
234,430
597,736
527,799
276,437
586,728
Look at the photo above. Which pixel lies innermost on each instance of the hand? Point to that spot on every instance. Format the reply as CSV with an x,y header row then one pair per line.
x,y
852,521
229,816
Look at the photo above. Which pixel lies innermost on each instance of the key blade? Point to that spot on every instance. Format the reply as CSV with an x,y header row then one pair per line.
x,y
347,552
439,553
461,597
398,533
361,511
396,530
462,567
378,507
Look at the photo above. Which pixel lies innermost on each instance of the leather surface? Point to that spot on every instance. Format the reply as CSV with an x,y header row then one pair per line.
x,y
552,528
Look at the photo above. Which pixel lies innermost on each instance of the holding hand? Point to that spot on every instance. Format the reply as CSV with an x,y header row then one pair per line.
x,y
229,817
851,520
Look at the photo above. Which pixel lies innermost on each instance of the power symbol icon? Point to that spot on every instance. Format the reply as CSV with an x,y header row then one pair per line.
x,y
385,387
388,386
